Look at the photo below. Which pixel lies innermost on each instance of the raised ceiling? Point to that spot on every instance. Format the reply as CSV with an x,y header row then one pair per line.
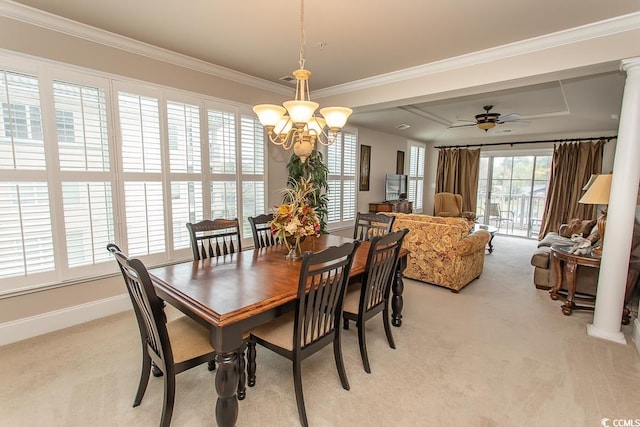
x,y
347,41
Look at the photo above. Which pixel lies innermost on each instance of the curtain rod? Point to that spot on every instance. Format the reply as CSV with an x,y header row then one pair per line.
x,y
607,138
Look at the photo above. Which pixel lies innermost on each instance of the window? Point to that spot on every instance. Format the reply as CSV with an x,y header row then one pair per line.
x,y
141,162
185,169
512,189
341,163
416,175
83,154
124,162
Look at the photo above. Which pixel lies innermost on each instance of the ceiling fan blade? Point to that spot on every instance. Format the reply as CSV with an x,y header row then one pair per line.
x,y
461,126
517,123
509,117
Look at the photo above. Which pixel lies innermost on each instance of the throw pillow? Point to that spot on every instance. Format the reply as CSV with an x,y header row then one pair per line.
x,y
586,227
571,228
578,226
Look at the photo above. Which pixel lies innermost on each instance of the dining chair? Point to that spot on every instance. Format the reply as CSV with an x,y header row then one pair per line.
x,y
315,322
172,347
214,238
369,225
261,230
371,296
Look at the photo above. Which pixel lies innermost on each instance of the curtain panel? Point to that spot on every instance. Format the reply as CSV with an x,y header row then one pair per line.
x,y
571,167
458,174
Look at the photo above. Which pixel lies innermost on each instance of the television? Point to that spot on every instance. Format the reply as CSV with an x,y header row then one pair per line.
x,y
395,187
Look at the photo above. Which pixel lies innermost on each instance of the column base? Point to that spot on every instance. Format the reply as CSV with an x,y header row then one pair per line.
x,y
617,337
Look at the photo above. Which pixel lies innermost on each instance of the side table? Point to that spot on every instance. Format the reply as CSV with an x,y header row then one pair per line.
x,y
560,255
491,229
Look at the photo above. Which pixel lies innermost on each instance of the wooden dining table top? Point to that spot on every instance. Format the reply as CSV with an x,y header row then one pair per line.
x,y
232,288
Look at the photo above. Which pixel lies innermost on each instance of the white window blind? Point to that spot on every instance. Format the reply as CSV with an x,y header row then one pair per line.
x,y
252,170
172,159
21,139
26,241
141,160
84,161
341,163
222,159
140,133
185,164
88,220
145,217
184,137
81,125
416,175
26,234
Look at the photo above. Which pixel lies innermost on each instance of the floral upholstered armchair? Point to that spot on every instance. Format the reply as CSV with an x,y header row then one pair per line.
x,y
442,250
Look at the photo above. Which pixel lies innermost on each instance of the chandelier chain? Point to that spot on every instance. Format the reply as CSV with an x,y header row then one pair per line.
x,y
302,35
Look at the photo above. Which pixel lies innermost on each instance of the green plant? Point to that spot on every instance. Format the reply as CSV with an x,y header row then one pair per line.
x,y
317,173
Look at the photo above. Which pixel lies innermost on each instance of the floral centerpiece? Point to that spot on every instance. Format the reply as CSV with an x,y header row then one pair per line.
x,y
295,218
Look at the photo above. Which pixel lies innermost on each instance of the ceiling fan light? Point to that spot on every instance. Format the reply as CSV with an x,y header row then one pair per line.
x,y
485,126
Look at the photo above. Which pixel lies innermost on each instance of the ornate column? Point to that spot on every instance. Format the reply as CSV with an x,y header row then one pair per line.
x,y
621,213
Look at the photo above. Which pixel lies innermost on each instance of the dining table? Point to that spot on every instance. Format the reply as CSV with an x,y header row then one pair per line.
x,y
232,294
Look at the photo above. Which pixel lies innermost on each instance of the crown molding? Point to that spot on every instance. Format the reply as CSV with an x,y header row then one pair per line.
x,y
594,30
52,22
69,27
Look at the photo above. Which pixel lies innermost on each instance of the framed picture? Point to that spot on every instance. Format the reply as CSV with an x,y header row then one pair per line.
x,y
365,164
400,163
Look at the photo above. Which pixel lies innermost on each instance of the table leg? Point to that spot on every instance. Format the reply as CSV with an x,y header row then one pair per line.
x,y
491,243
227,377
557,268
397,289
570,270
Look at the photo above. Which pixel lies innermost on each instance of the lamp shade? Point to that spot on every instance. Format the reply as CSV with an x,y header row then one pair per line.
x,y
269,114
315,126
598,192
591,179
336,117
300,111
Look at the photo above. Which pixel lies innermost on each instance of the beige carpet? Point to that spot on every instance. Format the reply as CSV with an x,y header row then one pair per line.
x,y
499,353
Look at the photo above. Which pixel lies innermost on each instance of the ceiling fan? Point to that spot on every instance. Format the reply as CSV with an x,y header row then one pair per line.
x,y
488,120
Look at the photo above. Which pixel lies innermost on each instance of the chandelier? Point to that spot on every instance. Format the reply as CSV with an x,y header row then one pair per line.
x,y
295,124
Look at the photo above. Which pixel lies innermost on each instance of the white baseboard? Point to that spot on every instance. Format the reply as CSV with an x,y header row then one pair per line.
x,y
636,333
29,327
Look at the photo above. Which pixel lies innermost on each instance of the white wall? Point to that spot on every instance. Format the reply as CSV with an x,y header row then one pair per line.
x,y
384,149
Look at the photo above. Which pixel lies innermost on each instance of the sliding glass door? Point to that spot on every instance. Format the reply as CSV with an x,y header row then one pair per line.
x,y
512,190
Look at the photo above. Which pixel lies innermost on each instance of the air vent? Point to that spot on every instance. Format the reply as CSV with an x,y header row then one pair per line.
x,y
502,131
403,126
288,79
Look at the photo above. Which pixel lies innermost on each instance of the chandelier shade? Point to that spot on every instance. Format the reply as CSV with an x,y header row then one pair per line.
x,y
269,114
295,124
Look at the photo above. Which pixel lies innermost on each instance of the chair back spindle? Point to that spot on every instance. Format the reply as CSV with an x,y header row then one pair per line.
x,y
261,230
210,239
369,225
323,281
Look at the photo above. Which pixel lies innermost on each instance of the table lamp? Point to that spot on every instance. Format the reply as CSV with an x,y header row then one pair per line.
x,y
598,194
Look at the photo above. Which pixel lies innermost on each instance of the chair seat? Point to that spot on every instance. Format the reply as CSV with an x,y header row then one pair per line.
x,y
278,332
188,339
352,299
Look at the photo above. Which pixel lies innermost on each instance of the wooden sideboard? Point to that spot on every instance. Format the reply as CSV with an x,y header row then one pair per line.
x,y
403,206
